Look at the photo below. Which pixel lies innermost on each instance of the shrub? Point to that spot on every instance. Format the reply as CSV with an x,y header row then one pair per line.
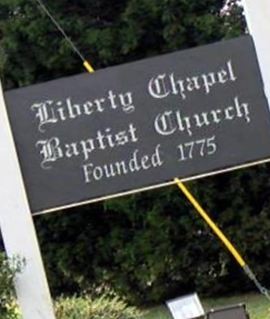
x,y
104,307
8,269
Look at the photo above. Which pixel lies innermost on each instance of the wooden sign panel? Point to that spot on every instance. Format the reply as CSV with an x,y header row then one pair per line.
x,y
141,124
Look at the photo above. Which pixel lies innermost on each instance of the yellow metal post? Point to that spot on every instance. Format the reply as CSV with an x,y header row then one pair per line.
x,y
223,238
88,67
211,223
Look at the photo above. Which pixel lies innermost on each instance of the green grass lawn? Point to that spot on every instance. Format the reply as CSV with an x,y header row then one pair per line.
x,y
258,306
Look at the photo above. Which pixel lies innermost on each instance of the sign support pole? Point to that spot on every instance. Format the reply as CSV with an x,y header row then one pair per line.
x,y
18,229
258,16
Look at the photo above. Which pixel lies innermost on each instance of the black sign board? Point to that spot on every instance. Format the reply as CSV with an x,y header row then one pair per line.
x,y
141,124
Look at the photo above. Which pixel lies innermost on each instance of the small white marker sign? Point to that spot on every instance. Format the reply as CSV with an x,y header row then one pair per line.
x,y
187,307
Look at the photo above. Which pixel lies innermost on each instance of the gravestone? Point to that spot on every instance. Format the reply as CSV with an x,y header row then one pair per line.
x,y
232,312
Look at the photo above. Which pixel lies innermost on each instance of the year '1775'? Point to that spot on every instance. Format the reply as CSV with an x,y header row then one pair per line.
x,y
199,148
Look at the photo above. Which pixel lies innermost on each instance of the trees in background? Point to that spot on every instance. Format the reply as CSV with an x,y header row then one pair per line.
x,y
33,51
149,246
